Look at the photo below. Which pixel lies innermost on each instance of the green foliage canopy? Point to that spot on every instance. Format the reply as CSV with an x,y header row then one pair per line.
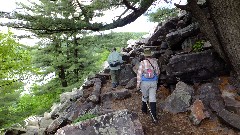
x,y
15,64
15,58
162,14
47,17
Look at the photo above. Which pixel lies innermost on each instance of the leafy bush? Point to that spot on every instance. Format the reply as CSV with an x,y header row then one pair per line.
x,y
85,117
198,46
15,64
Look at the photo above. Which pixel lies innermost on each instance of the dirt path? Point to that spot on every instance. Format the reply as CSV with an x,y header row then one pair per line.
x,y
169,124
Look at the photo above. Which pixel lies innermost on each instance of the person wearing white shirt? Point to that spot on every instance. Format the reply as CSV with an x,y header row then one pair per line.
x,y
114,60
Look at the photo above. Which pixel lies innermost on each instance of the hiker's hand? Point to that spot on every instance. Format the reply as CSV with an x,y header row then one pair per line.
x,y
122,66
138,89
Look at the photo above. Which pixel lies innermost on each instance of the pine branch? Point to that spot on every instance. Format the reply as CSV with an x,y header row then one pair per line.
x,y
127,4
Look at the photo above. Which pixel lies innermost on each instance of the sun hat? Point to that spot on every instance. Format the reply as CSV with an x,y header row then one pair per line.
x,y
147,52
114,49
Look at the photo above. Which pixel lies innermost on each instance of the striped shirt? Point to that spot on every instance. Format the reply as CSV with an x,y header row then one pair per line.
x,y
146,65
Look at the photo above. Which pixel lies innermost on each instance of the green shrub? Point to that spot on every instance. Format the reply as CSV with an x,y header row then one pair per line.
x,y
85,117
198,46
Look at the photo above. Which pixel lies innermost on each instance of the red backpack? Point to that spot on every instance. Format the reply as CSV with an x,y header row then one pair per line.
x,y
149,72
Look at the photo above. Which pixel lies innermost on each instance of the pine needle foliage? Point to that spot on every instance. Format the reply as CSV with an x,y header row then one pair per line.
x,y
162,14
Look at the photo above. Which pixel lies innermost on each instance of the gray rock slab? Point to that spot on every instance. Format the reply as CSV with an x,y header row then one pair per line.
x,y
195,67
121,122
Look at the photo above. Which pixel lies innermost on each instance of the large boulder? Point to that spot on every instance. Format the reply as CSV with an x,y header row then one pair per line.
x,y
126,75
59,109
132,83
179,100
195,67
232,105
88,84
210,92
31,130
32,121
106,99
197,112
15,131
121,94
187,45
73,95
116,123
78,109
44,122
96,91
163,29
54,111
174,38
56,124
230,118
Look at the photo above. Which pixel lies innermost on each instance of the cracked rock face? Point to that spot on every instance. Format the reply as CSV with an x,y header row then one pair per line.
x,y
116,123
195,67
126,75
179,100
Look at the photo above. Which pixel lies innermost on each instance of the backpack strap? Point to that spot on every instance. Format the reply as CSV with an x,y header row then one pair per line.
x,y
151,64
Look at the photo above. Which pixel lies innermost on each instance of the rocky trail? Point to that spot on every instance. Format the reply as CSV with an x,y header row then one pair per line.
x,y
197,95
168,124
112,119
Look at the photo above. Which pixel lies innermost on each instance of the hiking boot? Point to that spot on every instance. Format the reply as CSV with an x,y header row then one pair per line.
x,y
144,107
154,111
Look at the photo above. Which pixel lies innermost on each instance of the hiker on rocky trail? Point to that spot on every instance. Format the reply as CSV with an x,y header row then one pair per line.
x,y
147,78
114,60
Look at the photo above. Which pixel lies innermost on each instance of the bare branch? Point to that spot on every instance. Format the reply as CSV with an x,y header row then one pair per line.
x,y
183,7
78,3
130,18
123,13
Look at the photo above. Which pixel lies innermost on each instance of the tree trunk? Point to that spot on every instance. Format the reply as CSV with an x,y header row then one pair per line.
x,y
226,18
62,76
206,26
223,30
76,57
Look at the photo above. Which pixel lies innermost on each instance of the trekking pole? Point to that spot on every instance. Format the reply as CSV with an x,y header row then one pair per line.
x,y
150,111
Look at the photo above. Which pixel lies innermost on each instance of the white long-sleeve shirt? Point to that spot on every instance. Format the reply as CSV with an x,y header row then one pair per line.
x,y
114,56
